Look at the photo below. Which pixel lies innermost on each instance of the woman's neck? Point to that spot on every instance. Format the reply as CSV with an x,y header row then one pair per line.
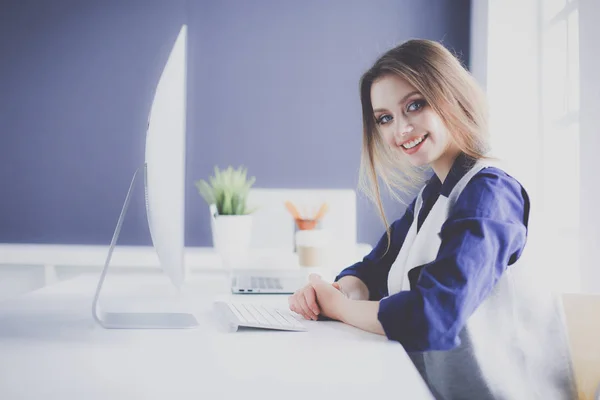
x,y
442,165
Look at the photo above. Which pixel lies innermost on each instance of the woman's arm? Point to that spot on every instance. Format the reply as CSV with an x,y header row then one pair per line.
x,y
337,305
353,288
372,271
485,232
363,315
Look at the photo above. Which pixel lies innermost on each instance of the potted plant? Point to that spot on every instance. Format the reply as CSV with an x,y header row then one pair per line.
x,y
231,222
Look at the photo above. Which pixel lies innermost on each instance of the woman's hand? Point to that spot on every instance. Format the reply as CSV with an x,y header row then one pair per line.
x,y
322,298
330,298
305,302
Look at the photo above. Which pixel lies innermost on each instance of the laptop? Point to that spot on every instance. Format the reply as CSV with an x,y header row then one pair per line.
x,y
267,282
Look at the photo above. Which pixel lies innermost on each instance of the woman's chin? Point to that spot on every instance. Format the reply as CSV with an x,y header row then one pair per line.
x,y
417,162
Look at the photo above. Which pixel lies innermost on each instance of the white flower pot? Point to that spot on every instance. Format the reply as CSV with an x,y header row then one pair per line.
x,y
231,239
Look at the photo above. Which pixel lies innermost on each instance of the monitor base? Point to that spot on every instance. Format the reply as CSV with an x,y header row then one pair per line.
x,y
135,320
116,320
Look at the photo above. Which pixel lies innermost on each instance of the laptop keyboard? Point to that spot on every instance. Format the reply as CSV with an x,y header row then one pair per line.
x,y
259,282
258,316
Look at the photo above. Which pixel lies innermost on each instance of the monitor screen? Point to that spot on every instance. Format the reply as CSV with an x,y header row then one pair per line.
x,y
165,163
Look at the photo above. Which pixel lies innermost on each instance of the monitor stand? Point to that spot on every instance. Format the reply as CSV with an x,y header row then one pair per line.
x,y
135,320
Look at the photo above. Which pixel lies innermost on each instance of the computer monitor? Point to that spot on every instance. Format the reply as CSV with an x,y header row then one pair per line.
x,y
164,180
165,163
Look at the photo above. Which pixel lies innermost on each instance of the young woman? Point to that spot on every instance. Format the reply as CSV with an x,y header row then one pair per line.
x,y
445,280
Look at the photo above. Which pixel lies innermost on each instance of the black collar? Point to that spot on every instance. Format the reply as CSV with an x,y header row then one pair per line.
x,y
462,164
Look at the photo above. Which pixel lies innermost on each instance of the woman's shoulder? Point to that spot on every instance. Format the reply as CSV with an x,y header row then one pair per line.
x,y
494,176
493,189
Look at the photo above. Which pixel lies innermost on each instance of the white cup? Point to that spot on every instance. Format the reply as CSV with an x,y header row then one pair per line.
x,y
312,246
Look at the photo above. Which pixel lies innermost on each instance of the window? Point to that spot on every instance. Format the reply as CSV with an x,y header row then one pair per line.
x,y
559,121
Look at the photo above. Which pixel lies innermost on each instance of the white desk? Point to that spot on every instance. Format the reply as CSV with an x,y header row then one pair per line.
x,y
58,260
50,348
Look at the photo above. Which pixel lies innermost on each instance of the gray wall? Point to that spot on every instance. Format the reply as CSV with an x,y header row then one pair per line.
x,y
270,84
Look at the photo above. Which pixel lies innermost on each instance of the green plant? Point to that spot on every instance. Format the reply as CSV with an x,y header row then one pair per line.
x,y
228,189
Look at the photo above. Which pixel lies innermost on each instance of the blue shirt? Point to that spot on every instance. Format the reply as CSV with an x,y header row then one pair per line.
x,y
485,232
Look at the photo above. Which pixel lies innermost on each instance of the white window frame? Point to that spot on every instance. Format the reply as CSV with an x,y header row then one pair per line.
x,y
560,203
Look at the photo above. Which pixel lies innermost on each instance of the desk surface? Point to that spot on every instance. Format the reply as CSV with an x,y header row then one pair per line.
x,y
51,348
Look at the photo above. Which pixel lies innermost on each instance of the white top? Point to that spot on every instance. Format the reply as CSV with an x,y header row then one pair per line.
x,y
52,349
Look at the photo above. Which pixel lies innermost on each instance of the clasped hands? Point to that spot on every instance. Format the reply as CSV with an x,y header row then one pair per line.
x,y
319,297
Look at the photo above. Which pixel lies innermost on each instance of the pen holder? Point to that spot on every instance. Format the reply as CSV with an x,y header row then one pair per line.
x,y
312,247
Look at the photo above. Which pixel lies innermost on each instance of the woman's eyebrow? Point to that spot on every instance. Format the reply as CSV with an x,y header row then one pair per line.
x,y
400,102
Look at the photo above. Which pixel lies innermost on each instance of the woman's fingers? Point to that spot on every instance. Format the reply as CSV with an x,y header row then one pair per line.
x,y
304,302
311,300
292,303
306,311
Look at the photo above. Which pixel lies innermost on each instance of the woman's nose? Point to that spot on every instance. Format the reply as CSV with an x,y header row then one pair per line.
x,y
403,129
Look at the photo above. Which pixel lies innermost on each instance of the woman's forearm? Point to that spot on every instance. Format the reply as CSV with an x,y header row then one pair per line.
x,y
354,288
362,314
357,310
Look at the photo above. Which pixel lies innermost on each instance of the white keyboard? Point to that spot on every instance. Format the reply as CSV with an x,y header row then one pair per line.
x,y
250,315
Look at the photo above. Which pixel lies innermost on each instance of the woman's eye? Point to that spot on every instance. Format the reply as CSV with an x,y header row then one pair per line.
x,y
416,105
384,119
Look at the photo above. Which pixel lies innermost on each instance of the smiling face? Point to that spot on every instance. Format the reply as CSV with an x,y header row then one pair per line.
x,y
395,113
408,124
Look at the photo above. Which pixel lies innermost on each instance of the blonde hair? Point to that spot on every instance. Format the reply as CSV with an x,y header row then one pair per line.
x,y
448,88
